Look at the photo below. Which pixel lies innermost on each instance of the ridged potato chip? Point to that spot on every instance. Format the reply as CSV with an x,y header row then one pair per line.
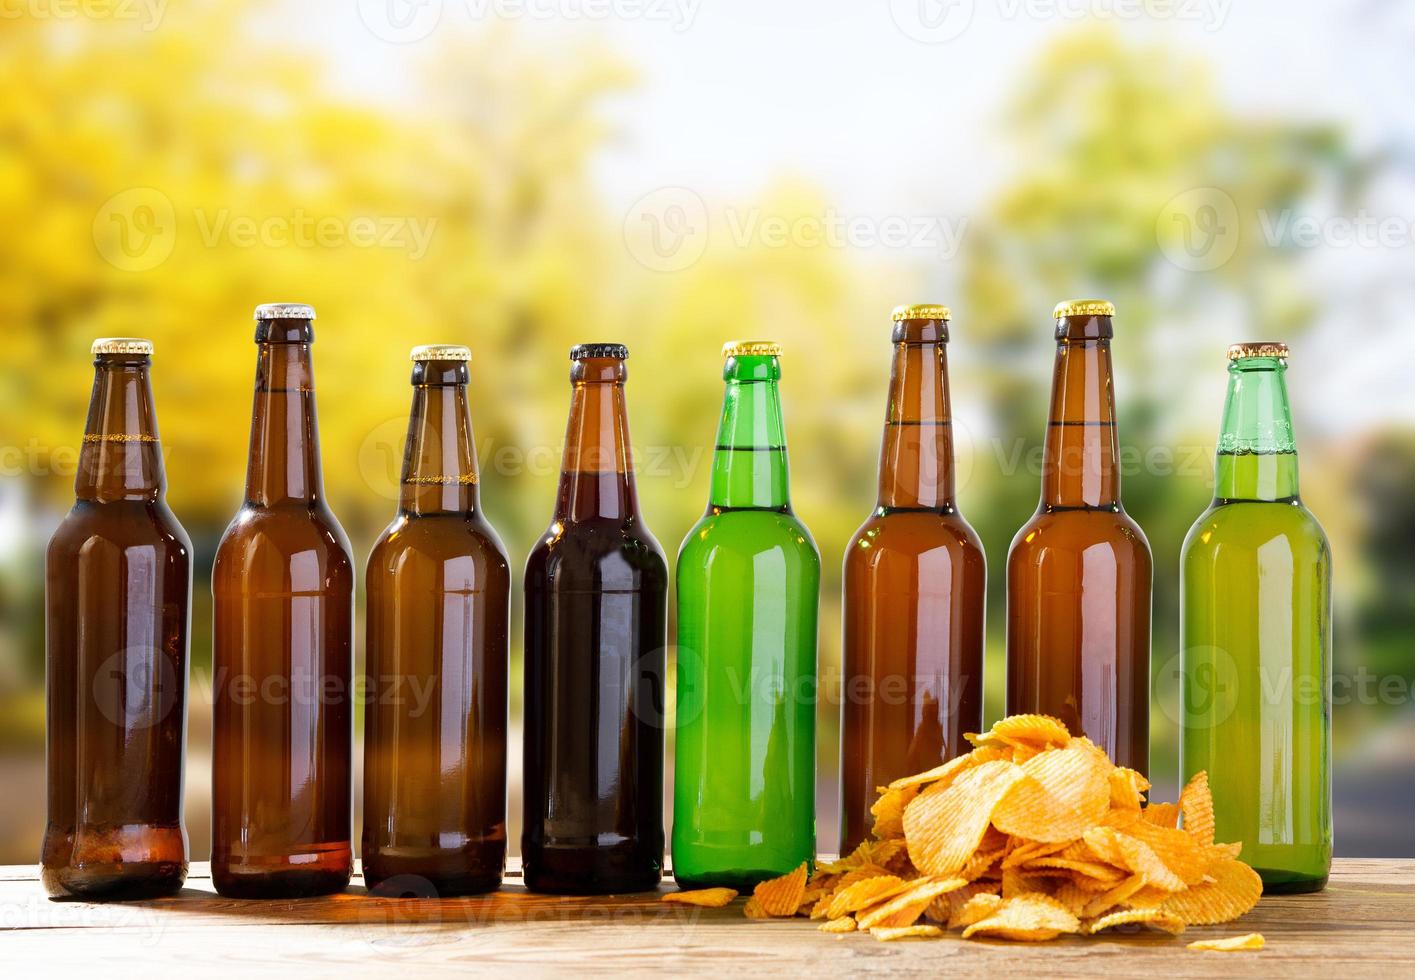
x,y
1112,897
1127,788
975,909
1234,890
708,898
863,894
1252,942
1197,805
1063,794
838,926
1039,730
1031,918
1154,918
944,827
782,896
887,934
888,811
1162,814
905,908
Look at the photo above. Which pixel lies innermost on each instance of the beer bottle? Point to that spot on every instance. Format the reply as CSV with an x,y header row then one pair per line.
x,y
748,592
1079,572
282,654
118,582
1255,644
439,588
914,592
596,625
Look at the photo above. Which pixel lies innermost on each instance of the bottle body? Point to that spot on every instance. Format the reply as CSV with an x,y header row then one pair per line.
x,y
1079,573
435,728
118,583
1255,657
748,594
282,653
915,581
596,621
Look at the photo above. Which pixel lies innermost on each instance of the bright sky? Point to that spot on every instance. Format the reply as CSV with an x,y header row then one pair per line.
x,y
867,98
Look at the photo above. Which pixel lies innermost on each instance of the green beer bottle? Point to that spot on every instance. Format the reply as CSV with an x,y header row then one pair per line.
x,y
1255,639
748,591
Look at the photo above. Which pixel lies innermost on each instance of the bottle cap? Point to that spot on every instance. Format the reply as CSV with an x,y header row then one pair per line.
x,y
1262,348
1084,307
122,345
922,311
582,351
751,348
284,311
440,352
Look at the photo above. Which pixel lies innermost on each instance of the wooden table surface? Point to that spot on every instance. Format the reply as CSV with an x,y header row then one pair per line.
x,y
1363,925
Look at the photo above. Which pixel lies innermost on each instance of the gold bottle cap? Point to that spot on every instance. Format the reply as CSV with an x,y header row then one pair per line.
x,y
922,311
284,311
750,348
1084,307
1261,348
122,345
441,352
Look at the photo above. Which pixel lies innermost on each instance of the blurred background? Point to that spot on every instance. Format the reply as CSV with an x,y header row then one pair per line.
x,y
520,175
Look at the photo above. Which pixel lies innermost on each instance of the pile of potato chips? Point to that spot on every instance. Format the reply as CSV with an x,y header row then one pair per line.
x,y
1032,835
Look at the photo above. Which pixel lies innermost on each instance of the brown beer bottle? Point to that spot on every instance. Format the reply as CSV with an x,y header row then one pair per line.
x,y
439,588
915,580
118,583
1078,574
596,631
282,654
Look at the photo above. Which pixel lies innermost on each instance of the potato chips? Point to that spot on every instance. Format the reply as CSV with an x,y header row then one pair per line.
x,y
1032,835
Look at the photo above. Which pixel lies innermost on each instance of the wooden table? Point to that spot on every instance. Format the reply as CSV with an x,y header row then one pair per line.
x,y
1363,925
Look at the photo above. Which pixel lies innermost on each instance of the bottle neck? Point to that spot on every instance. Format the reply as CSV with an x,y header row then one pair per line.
x,y
439,462
121,458
1257,456
916,464
749,462
284,460
1080,467
597,472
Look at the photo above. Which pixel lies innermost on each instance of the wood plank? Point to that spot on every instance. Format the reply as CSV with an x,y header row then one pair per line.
x,y
1362,925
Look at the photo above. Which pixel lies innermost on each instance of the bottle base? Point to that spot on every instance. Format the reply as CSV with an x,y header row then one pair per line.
x,y
132,881
1291,882
739,881
580,870
325,872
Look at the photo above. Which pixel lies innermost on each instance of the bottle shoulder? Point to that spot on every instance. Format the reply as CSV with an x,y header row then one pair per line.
x,y
439,537
915,533
258,534
749,532
120,524
1250,525
1072,531
596,554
